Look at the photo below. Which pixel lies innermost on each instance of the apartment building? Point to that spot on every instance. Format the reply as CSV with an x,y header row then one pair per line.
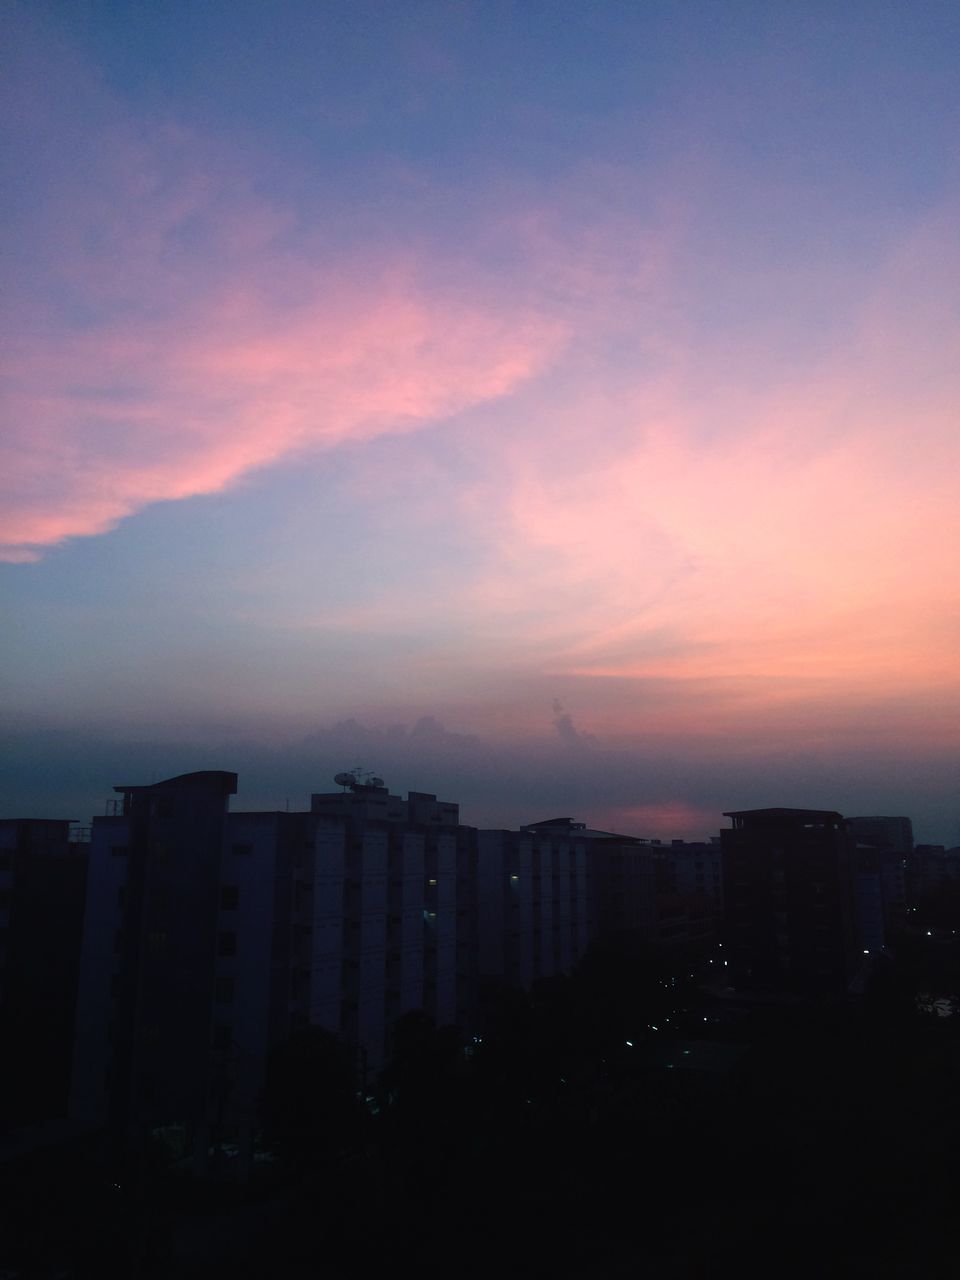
x,y
43,872
789,901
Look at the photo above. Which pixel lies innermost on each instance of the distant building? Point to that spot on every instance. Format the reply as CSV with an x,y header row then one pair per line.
x,y
43,871
789,901
689,895
929,869
895,834
534,910
668,896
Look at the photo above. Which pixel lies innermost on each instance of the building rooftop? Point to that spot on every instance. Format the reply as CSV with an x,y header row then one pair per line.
x,y
786,815
567,826
202,780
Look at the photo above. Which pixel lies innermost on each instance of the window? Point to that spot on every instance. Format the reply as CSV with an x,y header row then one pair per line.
x,y
4,861
222,1034
122,896
118,850
229,897
225,988
227,944
242,850
156,942
4,898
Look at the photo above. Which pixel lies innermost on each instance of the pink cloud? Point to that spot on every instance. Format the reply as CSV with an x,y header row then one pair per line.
x,y
179,328
200,364
105,423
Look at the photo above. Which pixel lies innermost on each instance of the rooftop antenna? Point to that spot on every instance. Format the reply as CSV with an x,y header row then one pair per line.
x,y
357,779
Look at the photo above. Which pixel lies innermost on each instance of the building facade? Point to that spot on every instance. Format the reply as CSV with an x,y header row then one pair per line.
x,y
789,897
151,941
43,873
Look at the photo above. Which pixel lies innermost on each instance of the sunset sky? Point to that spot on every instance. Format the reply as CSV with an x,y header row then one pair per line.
x,y
555,406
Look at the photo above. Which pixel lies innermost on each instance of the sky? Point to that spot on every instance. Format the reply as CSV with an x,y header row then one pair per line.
x,y
554,406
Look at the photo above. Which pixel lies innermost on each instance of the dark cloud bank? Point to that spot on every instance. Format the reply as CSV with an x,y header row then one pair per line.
x,y
70,773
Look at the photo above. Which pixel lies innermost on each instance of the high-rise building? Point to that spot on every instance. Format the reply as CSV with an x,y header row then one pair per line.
x,y
151,940
534,900
211,936
43,871
789,901
392,884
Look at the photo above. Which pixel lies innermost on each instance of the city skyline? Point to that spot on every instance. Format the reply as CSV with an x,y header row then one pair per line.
x,y
553,407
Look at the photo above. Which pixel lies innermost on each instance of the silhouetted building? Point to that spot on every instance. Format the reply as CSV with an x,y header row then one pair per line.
x,y
145,1016
43,871
667,895
393,891
895,834
534,908
689,896
881,893
789,901
212,936
930,868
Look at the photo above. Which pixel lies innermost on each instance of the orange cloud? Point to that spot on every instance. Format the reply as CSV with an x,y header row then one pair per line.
x,y
787,535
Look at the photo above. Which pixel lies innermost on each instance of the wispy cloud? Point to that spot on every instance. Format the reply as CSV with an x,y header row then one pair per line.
x,y
184,328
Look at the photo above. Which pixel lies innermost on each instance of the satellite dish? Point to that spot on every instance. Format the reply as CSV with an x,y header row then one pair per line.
x,y
345,780
376,782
